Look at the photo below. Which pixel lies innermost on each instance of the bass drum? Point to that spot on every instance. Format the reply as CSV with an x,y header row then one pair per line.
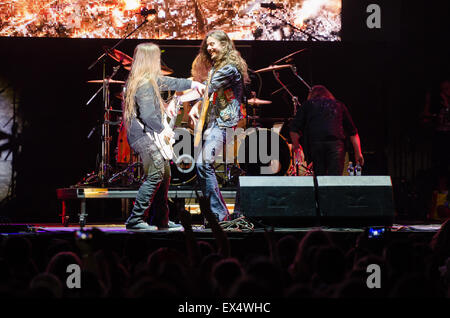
x,y
263,151
182,166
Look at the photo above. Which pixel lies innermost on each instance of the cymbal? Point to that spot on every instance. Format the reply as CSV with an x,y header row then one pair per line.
x,y
165,70
287,57
273,68
126,60
119,95
120,57
257,101
111,81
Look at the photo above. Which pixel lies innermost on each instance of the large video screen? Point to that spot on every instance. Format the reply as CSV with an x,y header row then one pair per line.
x,y
287,20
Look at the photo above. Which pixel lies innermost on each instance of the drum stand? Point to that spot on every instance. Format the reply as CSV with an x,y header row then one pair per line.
x,y
133,173
295,101
295,170
105,166
225,175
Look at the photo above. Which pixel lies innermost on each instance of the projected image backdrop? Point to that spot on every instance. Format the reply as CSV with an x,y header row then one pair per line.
x,y
174,19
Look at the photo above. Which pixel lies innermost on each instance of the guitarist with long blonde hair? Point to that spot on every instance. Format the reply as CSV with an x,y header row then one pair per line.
x,y
225,83
143,110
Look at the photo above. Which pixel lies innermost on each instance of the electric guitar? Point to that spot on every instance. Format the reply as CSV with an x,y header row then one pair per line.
x,y
164,143
198,131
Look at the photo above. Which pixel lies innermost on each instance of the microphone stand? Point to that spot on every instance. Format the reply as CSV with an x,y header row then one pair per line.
x,y
296,104
310,36
118,43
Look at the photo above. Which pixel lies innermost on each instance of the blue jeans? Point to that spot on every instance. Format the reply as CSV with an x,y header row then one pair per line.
x,y
153,190
214,138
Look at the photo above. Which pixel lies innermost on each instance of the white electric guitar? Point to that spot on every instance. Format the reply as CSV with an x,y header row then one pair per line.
x,y
164,143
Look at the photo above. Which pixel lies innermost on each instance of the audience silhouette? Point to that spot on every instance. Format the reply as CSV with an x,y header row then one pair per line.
x,y
311,265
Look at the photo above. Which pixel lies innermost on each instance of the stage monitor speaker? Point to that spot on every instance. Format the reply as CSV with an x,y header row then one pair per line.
x,y
279,200
355,200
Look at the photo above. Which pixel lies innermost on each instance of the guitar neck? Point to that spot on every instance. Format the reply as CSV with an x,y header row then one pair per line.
x,y
173,120
201,121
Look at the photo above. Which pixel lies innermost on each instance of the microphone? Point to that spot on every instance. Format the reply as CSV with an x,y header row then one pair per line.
x,y
146,12
272,6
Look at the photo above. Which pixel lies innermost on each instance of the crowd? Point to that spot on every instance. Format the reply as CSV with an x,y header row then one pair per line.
x,y
313,266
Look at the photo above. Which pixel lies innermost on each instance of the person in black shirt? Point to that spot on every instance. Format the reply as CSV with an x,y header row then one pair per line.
x,y
325,123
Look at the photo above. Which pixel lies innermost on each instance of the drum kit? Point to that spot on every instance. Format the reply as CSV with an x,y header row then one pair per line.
x,y
127,170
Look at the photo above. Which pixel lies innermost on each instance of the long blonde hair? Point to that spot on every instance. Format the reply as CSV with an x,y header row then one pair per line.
x,y
229,56
146,67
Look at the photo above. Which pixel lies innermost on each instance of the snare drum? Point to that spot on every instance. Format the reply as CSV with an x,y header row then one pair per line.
x,y
264,152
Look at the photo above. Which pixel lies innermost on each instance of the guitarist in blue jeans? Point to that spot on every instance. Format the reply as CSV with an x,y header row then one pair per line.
x,y
225,83
143,113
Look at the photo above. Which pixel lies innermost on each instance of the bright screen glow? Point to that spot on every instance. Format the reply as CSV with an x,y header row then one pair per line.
x,y
317,20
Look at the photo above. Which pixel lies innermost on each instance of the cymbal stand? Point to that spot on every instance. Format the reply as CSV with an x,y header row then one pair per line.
x,y
106,137
295,101
145,14
253,116
129,172
294,70
105,166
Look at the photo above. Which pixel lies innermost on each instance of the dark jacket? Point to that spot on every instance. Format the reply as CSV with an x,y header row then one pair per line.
x,y
227,89
323,119
148,110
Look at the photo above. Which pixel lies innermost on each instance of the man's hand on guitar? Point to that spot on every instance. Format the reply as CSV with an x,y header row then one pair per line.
x,y
168,132
170,108
194,113
199,87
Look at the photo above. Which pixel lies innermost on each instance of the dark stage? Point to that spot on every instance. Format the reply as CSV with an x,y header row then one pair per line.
x,y
56,189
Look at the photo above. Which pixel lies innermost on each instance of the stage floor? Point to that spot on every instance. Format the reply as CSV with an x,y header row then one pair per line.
x,y
117,228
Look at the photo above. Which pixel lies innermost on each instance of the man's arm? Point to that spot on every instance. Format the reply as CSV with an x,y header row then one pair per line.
x,y
224,77
149,110
167,83
357,149
295,137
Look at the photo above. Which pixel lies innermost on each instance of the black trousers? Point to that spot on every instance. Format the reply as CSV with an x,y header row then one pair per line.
x,y
328,157
153,190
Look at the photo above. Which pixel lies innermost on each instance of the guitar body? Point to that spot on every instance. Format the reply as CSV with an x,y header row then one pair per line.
x,y
164,144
